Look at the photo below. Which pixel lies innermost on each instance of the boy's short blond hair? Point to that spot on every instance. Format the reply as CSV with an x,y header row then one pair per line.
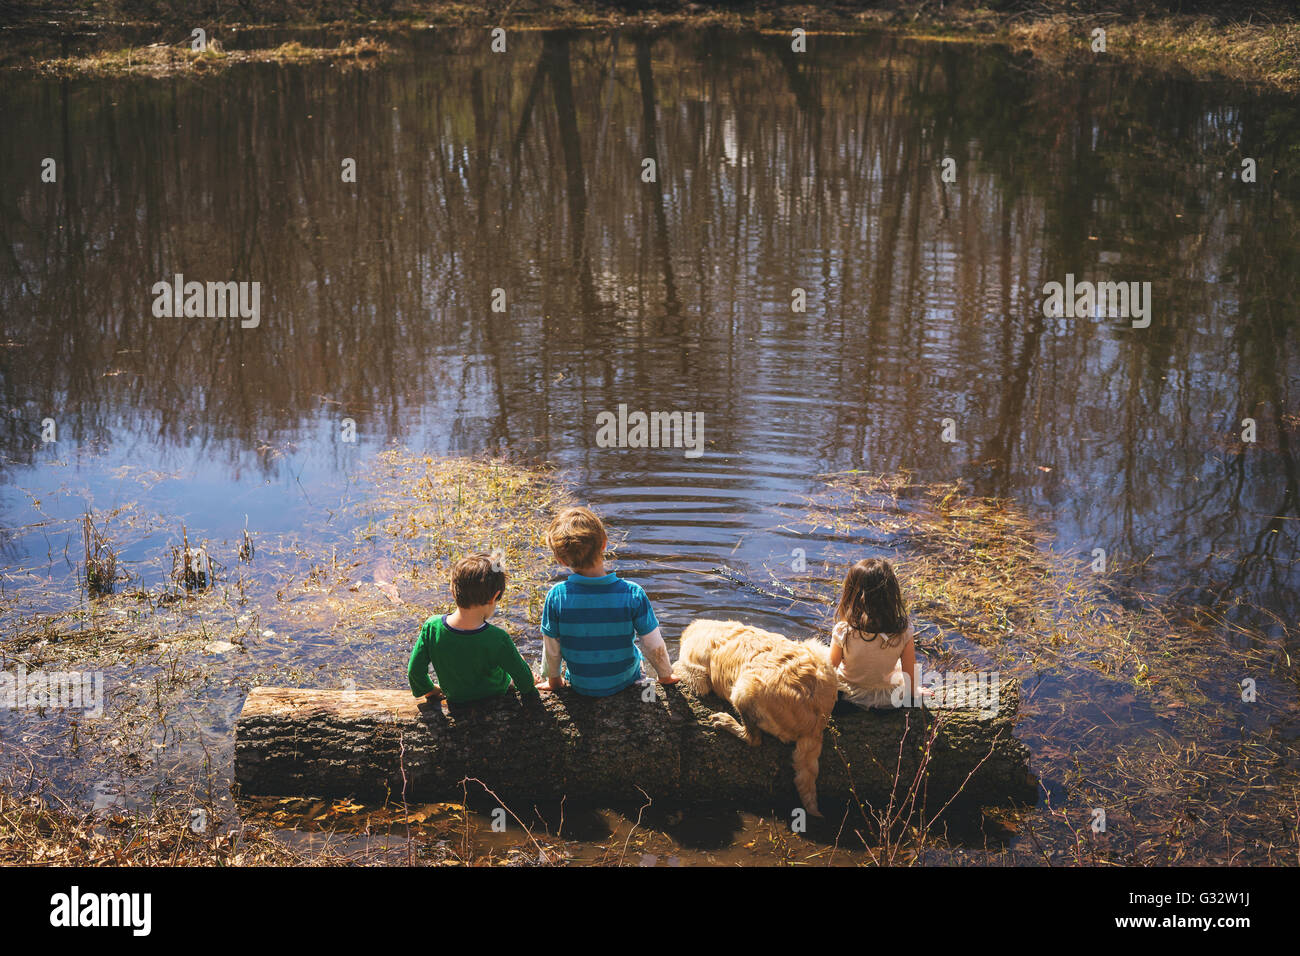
x,y
577,537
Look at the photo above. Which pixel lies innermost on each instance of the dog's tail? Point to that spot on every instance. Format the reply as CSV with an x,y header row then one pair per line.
x,y
807,754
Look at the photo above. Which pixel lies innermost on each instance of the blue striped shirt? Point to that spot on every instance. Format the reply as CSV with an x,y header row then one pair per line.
x,y
596,621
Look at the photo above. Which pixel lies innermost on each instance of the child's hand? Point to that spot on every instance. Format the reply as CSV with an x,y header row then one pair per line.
x,y
670,679
431,701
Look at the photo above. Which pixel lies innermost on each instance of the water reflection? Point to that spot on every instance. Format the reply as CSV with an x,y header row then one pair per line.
x,y
524,173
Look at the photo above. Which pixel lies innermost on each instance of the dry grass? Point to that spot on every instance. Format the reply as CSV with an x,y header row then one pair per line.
x,y
33,833
982,568
1260,51
433,511
159,59
417,516
100,560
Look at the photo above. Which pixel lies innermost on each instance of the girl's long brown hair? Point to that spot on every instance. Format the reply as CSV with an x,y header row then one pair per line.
x,y
871,601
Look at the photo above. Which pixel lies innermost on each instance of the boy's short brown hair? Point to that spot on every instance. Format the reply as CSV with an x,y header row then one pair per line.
x,y
476,580
577,537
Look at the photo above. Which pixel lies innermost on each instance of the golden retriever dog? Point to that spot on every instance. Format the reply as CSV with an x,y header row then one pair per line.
x,y
786,688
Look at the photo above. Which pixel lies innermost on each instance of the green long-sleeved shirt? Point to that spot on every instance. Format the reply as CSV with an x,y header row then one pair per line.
x,y
470,665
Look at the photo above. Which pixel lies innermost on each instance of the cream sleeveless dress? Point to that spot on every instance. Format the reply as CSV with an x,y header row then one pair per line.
x,y
870,669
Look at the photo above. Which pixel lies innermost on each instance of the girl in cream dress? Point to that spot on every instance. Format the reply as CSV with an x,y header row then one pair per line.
x,y
871,644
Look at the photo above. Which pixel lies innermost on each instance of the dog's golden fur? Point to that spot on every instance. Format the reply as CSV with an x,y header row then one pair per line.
x,y
786,688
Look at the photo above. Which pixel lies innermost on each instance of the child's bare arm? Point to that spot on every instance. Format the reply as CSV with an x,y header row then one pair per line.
x,y
656,651
551,679
646,628
837,654
908,658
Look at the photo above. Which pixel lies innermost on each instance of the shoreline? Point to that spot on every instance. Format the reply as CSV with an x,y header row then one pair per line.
x,y
1262,52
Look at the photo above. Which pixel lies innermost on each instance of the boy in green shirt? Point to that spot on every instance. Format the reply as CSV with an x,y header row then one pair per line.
x,y
472,659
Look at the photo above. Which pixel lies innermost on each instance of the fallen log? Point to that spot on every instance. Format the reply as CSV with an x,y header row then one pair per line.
x,y
378,744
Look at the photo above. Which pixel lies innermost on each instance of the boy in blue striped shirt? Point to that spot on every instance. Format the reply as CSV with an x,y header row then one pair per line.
x,y
592,620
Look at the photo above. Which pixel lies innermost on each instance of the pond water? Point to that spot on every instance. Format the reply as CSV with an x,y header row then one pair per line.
x,y
501,273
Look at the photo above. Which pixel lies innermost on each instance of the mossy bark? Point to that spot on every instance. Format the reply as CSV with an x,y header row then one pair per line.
x,y
379,744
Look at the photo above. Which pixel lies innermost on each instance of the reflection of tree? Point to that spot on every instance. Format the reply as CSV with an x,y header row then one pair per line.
x,y
648,123
1268,259
556,53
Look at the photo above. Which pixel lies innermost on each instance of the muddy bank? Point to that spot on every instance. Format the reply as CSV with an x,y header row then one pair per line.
x,y
1256,43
